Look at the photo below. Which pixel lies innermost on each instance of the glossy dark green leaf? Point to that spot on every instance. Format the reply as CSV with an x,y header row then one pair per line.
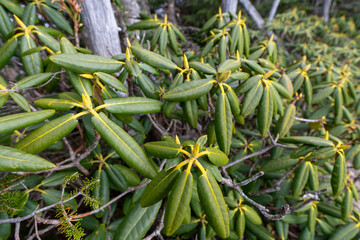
x,y
32,63
163,149
153,59
178,202
189,90
13,160
213,204
252,99
217,156
57,18
86,63
47,134
223,123
7,50
159,187
315,141
133,105
20,100
137,223
13,122
124,145
338,175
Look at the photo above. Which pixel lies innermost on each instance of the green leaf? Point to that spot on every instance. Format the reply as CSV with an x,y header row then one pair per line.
x,y
56,179
13,122
259,231
6,25
347,204
13,7
32,63
251,215
133,67
133,105
7,50
202,67
252,99
20,100
33,80
300,179
248,84
131,178
144,25
191,112
315,141
52,196
48,40
229,64
137,223
338,175
81,85
212,201
99,234
284,124
322,94
116,177
57,18
147,86
13,160
178,202
153,59
163,149
112,81
159,187
223,123
265,111
345,232
29,15
53,103
5,228
85,63
124,145
189,90
217,156
278,164
47,134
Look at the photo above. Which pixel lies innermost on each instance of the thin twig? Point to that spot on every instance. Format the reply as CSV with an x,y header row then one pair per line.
x,y
309,120
157,126
17,231
159,227
41,232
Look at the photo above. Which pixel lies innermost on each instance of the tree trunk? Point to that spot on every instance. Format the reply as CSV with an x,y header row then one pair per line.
x,y
229,6
131,11
326,8
101,28
171,12
273,10
253,13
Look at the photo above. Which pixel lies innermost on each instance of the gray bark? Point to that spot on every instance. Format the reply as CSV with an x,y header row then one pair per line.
x,y
101,28
273,10
255,15
144,6
229,5
326,8
131,11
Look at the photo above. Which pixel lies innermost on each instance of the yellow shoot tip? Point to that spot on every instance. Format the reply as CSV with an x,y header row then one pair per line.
x,y
21,24
186,63
128,42
128,54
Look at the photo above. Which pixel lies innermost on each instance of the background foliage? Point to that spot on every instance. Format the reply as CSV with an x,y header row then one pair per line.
x,y
250,136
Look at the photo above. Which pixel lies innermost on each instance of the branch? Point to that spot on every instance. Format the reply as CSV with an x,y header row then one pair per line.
x,y
130,189
255,15
285,209
309,120
273,10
